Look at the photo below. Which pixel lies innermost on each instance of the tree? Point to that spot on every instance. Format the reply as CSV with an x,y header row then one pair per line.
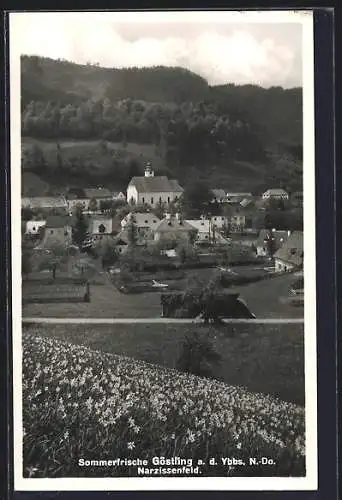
x,y
132,231
93,205
198,355
197,197
80,229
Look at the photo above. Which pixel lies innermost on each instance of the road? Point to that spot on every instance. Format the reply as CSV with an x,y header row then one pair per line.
x,y
165,321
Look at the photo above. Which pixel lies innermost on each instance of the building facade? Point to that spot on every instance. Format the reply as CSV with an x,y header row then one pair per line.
x,y
153,190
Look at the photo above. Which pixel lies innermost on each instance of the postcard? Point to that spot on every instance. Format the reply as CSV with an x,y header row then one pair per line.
x,y
163,249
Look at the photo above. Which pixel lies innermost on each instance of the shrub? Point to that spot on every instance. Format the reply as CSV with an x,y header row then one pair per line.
x,y
198,355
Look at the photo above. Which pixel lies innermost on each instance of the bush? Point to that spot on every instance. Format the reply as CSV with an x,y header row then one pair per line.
x,y
198,355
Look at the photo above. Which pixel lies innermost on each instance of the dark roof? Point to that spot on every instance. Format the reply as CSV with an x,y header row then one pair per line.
x,y
280,237
57,221
80,193
97,193
156,184
292,250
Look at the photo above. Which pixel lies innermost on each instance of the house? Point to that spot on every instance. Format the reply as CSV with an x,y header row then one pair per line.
x,y
45,203
145,223
101,226
58,231
152,189
275,194
263,245
33,226
237,197
79,197
291,254
206,230
119,196
174,228
121,242
219,221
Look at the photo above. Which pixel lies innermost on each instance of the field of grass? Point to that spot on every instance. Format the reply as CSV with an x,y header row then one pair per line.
x,y
264,299
262,358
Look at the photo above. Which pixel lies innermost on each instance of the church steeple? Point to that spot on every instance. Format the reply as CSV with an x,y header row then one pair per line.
x,y
149,172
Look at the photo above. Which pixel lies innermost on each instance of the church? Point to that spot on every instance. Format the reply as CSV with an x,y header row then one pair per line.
x,y
153,189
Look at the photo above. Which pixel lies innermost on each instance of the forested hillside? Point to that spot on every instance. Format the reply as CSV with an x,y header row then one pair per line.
x,y
246,133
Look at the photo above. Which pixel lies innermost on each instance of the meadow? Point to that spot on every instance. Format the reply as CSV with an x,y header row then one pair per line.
x,y
83,403
261,358
264,299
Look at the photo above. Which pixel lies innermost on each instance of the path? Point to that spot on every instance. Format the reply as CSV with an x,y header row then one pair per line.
x,y
110,321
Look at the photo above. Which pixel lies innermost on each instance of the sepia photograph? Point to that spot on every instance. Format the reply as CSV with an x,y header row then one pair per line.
x,y
163,250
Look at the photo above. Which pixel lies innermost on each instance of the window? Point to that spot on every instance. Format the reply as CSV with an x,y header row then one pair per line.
x,y
66,232
176,198
143,199
168,199
293,251
51,231
152,200
34,228
160,199
202,223
146,221
154,221
101,228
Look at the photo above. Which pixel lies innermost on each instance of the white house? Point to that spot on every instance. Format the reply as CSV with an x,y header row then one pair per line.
x,y
291,254
206,229
101,226
118,196
275,194
152,189
33,226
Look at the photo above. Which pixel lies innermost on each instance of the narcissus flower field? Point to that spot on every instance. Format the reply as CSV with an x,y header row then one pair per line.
x,y
80,403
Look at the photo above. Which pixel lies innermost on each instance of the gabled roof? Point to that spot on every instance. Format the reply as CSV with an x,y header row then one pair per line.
x,y
292,250
280,237
44,202
173,224
157,184
57,221
97,193
201,225
276,192
143,219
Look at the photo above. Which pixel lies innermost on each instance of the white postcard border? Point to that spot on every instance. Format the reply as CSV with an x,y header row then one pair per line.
x,y
310,482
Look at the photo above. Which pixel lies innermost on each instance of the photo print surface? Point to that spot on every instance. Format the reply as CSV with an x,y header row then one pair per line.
x,y
163,230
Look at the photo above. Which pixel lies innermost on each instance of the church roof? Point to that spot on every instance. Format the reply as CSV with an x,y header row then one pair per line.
x,y
157,184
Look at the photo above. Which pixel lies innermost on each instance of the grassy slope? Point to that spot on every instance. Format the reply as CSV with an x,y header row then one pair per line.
x,y
262,358
238,175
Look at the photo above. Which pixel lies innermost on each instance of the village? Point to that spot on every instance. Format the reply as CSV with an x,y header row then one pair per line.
x,y
154,250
